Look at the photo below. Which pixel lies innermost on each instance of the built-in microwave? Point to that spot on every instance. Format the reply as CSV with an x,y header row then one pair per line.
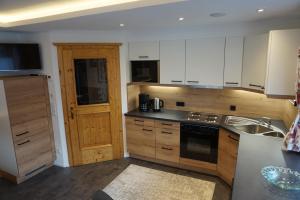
x,y
145,71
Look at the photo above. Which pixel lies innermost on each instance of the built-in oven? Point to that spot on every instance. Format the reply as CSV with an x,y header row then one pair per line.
x,y
145,71
199,142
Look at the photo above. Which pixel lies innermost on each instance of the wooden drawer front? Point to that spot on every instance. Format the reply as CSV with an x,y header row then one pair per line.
x,y
168,136
228,143
29,112
167,124
134,121
23,91
35,164
141,142
32,147
97,154
167,153
30,128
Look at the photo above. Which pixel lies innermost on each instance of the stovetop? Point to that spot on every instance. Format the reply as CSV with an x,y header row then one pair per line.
x,y
201,117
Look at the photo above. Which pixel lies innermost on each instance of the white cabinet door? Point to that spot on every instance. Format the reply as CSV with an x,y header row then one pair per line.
x,y
233,61
144,50
282,62
172,62
205,62
255,62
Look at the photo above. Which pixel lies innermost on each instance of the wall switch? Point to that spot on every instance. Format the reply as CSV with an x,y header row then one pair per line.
x,y
180,103
232,107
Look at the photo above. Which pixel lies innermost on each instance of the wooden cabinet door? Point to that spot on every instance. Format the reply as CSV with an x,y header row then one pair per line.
x,y
227,155
172,62
233,61
255,62
144,50
282,62
205,62
92,92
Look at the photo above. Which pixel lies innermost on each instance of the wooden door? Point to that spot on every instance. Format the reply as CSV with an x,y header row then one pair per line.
x,y
90,80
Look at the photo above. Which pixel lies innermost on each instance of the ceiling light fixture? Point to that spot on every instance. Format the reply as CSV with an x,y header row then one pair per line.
x,y
180,18
260,10
122,25
217,14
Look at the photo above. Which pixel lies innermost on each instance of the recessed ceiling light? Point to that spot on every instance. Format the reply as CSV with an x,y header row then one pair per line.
x,y
217,14
180,18
260,10
122,25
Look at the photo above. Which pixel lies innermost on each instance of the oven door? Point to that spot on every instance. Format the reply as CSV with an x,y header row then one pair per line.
x,y
199,142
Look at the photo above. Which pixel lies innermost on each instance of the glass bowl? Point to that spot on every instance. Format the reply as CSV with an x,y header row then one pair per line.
x,y
281,177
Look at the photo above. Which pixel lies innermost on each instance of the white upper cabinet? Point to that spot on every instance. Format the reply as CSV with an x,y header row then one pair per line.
x,y
233,61
144,50
172,62
255,62
205,62
282,62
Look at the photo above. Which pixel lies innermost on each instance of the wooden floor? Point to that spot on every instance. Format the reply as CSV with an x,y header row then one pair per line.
x,y
82,182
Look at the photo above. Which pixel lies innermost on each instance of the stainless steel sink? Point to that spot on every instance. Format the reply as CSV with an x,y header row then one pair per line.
x,y
274,134
253,129
252,126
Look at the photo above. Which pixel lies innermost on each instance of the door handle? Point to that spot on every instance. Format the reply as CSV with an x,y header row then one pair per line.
x,y
72,112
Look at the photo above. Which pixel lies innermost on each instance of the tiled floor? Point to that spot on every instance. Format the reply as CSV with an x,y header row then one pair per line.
x,y
82,182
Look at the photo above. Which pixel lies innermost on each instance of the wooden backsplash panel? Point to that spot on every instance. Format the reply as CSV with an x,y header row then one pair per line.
x,y
133,92
219,101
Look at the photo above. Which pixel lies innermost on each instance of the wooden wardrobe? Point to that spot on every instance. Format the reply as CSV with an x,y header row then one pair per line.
x,y
26,137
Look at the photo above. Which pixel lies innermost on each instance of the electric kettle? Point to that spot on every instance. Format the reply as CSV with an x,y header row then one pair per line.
x,y
157,104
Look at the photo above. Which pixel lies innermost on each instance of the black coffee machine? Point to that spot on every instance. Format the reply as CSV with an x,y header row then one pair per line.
x,y
144,102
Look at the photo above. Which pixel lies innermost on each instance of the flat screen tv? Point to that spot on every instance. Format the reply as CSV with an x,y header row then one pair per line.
x,y
16,57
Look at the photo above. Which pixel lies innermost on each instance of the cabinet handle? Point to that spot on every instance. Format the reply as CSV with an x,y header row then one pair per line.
x,y
166,148
27,141
258,86
174,81
149,130
37,169
232,83
233,138
193,81
26,132
137,120
165,132
143,56
166,124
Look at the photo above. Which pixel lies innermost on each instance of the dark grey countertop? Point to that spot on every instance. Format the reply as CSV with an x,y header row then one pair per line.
x,y
255,152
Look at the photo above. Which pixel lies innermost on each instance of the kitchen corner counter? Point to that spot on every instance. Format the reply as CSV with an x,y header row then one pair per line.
x,y
256,152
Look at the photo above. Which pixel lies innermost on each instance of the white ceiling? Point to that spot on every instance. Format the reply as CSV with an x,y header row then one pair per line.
x,y
195,12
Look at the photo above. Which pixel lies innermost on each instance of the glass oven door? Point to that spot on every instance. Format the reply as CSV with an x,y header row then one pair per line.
x,y
199,142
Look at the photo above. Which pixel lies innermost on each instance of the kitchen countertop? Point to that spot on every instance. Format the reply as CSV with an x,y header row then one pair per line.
x,y
255,152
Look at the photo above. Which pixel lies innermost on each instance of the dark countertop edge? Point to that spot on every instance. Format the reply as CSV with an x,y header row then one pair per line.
x,y
149,115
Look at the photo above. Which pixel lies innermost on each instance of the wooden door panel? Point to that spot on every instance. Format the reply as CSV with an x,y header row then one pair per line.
x,y
91,78
94,130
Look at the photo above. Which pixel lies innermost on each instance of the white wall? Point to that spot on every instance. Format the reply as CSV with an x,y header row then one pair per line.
x,y
49,56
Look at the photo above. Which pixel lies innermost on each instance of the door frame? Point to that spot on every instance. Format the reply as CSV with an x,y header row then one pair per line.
x,y
62,46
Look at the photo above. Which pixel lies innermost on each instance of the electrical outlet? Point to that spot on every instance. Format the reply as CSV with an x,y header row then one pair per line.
x,y
180,103
232,107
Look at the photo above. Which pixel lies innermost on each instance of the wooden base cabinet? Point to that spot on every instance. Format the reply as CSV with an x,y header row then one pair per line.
x,y
153,138
26,137
227,155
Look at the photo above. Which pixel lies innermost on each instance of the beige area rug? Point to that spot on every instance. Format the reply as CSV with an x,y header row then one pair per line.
x,y
141,183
